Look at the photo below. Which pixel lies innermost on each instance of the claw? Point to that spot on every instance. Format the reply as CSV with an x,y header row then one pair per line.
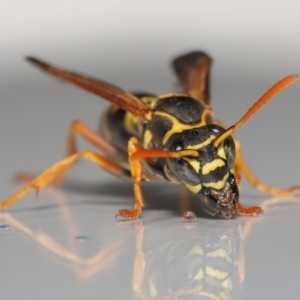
x,y
253,210
128,214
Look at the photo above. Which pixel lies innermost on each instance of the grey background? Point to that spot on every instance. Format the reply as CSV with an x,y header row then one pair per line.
x,y
130,44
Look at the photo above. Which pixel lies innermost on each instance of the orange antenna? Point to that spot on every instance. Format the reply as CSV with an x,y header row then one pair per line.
x,y
150,153
275,89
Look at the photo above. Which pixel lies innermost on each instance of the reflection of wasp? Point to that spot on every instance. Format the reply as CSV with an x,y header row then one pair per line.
x,y
201,266
171,137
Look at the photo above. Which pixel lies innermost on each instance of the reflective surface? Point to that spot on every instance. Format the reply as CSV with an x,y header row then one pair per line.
x,y
66,244
69,245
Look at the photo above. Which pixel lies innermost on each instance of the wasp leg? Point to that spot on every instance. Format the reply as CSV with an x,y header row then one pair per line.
x,y
136,173
252,210
95,138
92,136
76,127
238,167
264,187
59,168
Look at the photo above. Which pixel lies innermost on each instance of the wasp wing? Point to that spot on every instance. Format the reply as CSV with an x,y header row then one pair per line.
x,y
101,88
192,70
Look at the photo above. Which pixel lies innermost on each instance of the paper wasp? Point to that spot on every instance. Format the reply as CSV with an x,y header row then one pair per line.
x,y
171,137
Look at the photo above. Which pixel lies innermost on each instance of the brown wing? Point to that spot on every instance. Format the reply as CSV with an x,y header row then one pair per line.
x,y
192,70
109,92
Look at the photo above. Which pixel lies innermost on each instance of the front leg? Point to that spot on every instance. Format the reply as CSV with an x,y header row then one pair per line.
x,y
136,174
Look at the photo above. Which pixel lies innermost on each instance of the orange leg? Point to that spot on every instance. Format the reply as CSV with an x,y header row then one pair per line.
x,y
135,153
265,188
241,166
252,210
76,127
136,173
238,167
59,168
95,138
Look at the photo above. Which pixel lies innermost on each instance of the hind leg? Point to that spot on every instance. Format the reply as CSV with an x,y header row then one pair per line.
x,y
77,127
60,168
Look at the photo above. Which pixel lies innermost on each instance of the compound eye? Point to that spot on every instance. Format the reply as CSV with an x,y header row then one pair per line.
x,y
183,170
229,148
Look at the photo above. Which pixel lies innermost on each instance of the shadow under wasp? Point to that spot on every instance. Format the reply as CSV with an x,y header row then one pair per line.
x,y
171,137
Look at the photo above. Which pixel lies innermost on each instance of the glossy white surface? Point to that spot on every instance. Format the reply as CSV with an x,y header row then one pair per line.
x,y
67,244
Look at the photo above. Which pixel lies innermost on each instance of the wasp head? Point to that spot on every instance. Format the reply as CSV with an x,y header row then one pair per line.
x,y
211,173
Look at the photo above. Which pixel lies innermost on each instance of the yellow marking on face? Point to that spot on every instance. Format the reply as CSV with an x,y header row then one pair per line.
x,y
193,188
129,123
216,273
220,253
196,250
147,137
232,171
178,126
205,143
194,163
170,95
221,151
219,184
211,166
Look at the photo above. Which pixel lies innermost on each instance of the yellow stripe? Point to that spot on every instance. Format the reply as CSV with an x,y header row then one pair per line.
x,y
226,283
193,188
129,123
196,250
169,95
220,253
216,273
149,100
147,138
179,127
148,116
199,275
221,151
205,143
152,289
217,185
194,163
211,166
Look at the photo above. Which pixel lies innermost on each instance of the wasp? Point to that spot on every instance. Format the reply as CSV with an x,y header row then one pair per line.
x,y
171,137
